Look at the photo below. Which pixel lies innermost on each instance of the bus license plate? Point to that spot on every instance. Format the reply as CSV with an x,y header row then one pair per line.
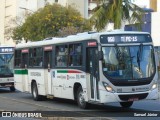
x,y
133,99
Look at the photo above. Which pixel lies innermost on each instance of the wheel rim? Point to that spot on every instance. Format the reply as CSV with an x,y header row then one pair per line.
x,y
34,92
81,98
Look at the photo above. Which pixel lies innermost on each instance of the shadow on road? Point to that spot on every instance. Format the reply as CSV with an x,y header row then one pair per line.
x,y
4,90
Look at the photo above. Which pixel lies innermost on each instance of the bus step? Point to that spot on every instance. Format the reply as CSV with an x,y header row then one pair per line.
x,y
50,96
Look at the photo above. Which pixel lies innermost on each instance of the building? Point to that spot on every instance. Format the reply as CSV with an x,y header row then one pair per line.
x,y
18,9
151,20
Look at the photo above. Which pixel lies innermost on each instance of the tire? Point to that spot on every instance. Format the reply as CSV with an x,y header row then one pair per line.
x,y
35,94
81,100
12,88
126,104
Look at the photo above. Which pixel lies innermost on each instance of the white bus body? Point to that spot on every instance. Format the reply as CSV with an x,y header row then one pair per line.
x,y
104,67
6,67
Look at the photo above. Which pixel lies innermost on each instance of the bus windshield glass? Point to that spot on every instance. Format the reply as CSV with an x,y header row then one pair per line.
x,y
128,62
6,65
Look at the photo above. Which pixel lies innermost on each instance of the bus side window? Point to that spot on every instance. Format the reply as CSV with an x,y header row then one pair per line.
x,y
17,61
47,59
24,60
35,57
61,55
75,55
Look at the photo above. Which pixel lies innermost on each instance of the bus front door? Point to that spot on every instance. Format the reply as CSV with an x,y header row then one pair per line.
x,y
25,81
92,73
47,71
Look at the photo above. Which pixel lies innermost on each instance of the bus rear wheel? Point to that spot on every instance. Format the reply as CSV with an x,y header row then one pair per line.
x,y
35,95
81,100
12,88
126,104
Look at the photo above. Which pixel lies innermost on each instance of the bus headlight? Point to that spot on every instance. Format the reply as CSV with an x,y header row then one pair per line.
x,y
154,86
108,87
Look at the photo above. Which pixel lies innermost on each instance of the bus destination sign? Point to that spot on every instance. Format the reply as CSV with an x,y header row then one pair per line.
x,y
6,49
125,38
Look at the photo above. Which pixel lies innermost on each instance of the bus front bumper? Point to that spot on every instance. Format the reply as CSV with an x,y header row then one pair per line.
x,y
107,97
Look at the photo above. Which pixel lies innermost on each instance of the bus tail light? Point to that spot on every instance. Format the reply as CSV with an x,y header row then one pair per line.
x,y
108,87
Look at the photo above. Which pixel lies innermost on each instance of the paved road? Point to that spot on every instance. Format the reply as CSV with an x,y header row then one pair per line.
x,y
17,101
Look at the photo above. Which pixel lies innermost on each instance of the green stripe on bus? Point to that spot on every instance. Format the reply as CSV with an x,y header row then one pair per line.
x,y
20,71
68,71
62,71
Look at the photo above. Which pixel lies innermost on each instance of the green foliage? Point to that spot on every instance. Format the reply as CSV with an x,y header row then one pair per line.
x,y
116,11
49,22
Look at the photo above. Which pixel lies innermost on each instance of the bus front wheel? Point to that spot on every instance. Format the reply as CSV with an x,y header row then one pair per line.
x,y
35,95
81,100
126,104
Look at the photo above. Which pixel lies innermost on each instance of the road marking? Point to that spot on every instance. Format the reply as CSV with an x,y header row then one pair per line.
x,y
45,106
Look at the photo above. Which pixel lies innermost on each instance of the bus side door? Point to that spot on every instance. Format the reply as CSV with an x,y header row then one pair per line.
x,y
25,80
47,69
92,72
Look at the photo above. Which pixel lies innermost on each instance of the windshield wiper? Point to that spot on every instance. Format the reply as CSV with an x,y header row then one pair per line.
x,y
139,55
119,54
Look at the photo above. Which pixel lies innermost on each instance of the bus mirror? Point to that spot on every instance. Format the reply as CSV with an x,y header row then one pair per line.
x,y
25,66
100,55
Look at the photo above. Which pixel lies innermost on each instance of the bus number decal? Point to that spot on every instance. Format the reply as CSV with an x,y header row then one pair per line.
x,y
25,51
92,44
48,48
111,39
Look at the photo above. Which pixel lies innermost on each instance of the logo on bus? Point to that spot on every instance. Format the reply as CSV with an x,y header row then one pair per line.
x,y
70,77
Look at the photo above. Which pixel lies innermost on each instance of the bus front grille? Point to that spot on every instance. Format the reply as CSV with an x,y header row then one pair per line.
x,y
133,97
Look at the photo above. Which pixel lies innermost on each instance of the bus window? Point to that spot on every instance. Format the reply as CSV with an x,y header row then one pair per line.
x,y
35,57
47,59
75,55
17,58
61,55
24,60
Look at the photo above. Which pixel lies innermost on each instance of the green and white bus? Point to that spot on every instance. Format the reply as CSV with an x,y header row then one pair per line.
x,y
6,66
95,68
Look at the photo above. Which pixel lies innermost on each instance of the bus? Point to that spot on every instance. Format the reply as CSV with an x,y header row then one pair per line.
x,y
91,68
6,67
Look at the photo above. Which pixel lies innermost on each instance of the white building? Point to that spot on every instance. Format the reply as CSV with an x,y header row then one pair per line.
x,y
10,9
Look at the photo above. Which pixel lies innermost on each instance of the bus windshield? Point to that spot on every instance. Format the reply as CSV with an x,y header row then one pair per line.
x,y
128,62
6,65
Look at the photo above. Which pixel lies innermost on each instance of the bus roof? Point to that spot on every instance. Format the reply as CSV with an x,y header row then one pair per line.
x,y
2,45
73,38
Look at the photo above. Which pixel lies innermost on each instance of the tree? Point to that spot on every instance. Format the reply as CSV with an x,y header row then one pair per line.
x,y
13,23
50,21
116,11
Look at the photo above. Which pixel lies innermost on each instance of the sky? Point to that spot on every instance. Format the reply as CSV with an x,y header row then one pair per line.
x,y
142,3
